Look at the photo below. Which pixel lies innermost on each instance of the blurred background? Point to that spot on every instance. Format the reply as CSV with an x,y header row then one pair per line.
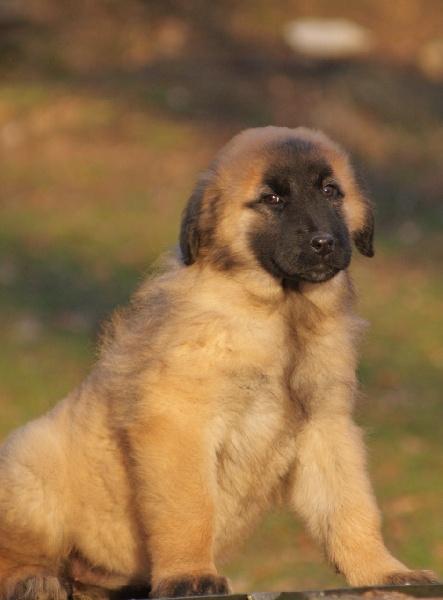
x,y
108,111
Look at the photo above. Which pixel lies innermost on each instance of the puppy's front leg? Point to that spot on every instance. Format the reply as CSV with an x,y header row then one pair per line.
x,y
333,495
176,494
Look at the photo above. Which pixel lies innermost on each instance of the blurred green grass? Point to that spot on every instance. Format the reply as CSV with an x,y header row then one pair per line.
x,y
75,243
97,159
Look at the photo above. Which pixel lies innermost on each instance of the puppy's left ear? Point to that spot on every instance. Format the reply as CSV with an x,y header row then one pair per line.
x,y
364,237
189,231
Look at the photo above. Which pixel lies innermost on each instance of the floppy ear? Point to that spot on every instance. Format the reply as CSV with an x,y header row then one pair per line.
x,y
364,237
190,226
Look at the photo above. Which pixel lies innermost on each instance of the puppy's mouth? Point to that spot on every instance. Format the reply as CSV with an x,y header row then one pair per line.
x,y
319,274
314,274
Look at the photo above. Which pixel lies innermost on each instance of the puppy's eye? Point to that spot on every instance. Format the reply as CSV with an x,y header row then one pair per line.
x,y
273,200
329,190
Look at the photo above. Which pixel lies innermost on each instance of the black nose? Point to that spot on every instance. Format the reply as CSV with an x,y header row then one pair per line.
x,y
323,244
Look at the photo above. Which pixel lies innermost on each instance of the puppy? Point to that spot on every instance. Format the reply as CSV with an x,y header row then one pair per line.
x,y
226,388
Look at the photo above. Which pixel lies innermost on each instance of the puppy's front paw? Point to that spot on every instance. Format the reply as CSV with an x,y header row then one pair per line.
x,y
191,585
410,578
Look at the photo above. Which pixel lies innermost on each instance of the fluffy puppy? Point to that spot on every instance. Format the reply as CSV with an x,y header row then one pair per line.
x,y
225,388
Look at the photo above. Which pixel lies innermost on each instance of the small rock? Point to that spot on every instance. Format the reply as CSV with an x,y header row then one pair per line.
x,y
328,38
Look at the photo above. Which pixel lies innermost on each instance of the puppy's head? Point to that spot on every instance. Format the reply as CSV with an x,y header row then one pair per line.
x,y
284,200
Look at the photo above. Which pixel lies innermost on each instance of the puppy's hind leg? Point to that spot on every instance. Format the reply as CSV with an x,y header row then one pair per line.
x,y
34,510
30,582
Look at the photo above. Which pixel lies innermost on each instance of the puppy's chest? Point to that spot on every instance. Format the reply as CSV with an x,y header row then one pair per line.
x,y
256,451
263,398
259,425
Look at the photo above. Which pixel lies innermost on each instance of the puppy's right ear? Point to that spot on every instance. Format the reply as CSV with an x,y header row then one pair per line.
x,y
364,237
190,226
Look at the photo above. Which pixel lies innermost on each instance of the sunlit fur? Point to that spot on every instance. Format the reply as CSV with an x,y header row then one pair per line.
x,y
221,391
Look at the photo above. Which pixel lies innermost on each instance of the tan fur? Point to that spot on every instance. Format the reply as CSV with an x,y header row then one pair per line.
x,y
217,395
